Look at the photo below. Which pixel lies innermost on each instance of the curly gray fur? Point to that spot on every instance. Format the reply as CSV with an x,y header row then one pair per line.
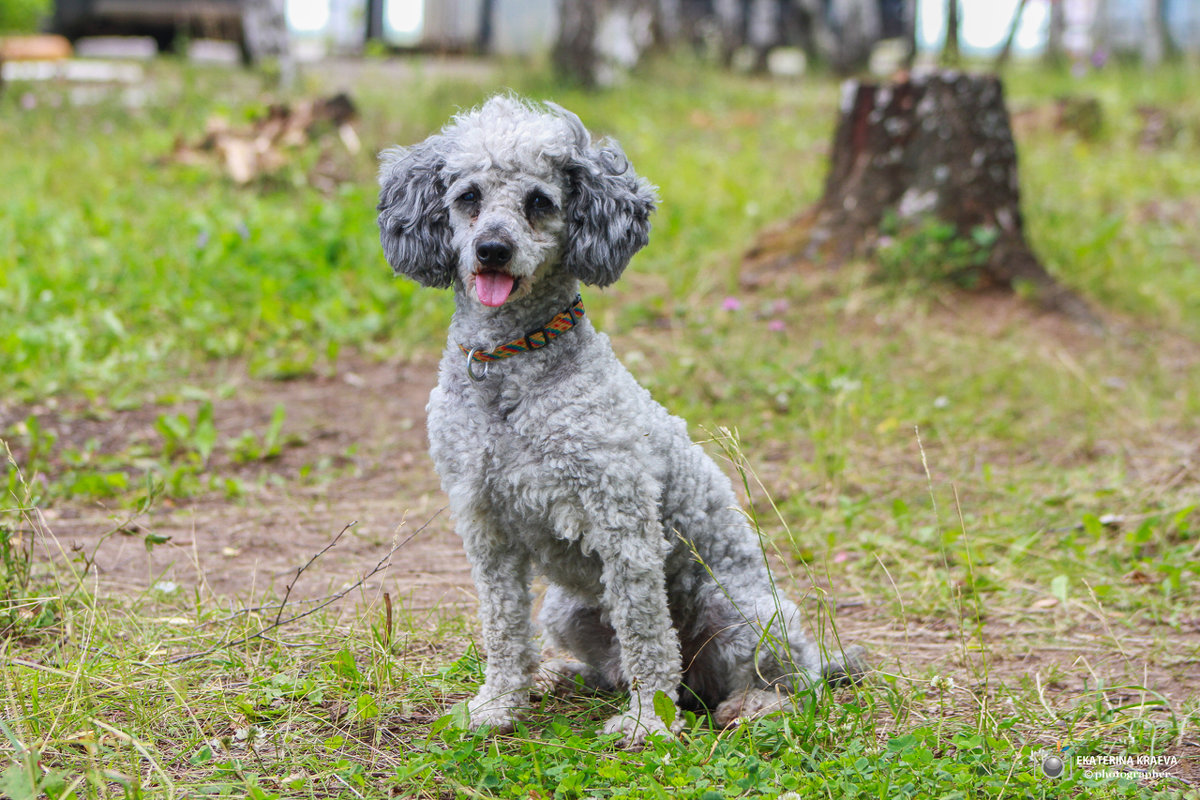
x,y
559,463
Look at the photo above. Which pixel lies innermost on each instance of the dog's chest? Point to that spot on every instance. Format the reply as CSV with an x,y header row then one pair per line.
x,y
534,469
491,453
508,480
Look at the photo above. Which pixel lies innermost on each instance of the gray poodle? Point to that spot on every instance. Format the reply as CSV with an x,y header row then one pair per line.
x,y
555,460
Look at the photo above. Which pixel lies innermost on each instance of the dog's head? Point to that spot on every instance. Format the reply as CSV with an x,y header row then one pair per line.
x,y
507,193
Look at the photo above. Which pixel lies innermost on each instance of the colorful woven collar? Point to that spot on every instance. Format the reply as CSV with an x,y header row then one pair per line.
x,y
562,322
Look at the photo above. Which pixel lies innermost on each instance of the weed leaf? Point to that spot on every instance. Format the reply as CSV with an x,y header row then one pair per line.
x,y
1058,587
271,444
343,666
365,707
205,437
664,708
202,756
17,782
153,539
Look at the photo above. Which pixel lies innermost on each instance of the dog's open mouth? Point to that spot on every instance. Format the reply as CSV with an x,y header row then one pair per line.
x,y
493,288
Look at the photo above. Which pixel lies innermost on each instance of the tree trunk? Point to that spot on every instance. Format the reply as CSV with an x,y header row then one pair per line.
x,y
374,20
950,50
857,27
265,37
936,147
487,16
910,32
764,23
817,40
730,16
599,40
1100,32
1006,50
575,53
265,29
1056,51
1154,44
668,23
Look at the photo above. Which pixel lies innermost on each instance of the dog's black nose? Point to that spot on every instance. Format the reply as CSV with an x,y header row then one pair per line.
x,y
493,253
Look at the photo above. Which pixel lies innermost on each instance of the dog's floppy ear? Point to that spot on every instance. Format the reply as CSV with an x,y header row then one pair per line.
x,y
608,213
414,224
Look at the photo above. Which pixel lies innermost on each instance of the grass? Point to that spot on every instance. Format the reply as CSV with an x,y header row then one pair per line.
x,y
23,16
1001,505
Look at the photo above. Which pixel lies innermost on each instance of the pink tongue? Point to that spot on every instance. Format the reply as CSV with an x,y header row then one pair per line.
x,y
493,288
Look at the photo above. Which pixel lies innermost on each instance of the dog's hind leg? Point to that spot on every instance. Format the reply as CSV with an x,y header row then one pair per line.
x,y
571,625
846,667
752,704
561,675
781,668
788,692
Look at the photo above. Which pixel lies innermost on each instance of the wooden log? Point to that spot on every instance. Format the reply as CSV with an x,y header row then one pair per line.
x,y
44,47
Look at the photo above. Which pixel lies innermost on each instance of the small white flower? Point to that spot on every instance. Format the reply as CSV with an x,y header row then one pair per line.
x,y
941,683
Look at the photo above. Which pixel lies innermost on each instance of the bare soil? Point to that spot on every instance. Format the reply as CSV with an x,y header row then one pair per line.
x,y
355,455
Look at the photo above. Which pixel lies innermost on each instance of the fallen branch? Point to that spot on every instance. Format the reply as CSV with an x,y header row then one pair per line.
x,y
288,592
381,565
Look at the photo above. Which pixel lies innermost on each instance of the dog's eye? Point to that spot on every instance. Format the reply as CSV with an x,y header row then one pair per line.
x,y
537,202
469,197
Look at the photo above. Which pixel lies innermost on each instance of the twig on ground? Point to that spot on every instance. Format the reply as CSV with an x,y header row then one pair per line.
x,y
381,565
20,662
288,592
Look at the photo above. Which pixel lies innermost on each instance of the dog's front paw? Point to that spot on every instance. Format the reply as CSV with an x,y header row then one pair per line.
x,y
636,728
497,712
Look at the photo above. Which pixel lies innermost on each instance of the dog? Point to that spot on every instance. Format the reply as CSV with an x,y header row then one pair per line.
x,y
556,461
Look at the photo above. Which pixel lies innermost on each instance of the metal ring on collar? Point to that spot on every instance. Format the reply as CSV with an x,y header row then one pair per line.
x,y
470,372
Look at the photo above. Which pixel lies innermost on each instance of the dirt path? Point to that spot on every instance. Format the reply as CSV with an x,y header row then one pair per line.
x,y
356,453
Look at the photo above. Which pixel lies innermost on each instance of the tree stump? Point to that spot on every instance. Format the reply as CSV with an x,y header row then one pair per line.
x,y
933,147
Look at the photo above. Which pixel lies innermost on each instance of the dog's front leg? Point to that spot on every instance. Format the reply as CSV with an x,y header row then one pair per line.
x,y
635,595
502,581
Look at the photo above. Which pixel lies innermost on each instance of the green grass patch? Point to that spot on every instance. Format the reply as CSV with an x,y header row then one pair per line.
x,y
148,700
